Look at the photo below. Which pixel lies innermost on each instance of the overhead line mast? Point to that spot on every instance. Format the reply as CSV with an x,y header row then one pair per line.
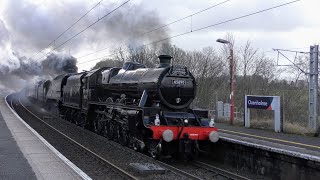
x,y
313,73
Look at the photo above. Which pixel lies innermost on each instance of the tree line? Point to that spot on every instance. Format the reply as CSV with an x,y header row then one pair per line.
x,y
255,74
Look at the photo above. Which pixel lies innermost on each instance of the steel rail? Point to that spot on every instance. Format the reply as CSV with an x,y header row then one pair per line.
x,y
117,169
179,171
167,166
219,171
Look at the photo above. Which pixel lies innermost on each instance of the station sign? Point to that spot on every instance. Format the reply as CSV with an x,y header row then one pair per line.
x,y
260,102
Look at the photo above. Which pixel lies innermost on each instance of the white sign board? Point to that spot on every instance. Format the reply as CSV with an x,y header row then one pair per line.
x,y
263,102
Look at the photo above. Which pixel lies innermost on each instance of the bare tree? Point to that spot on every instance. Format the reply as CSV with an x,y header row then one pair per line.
x,y
298,70
143,55
178,54
247,58
206,67
119,54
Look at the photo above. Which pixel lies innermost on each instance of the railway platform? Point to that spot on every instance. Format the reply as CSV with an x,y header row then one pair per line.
x,y
299,146
24,154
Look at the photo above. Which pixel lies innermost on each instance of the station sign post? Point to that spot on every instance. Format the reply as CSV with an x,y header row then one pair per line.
x,y
263,102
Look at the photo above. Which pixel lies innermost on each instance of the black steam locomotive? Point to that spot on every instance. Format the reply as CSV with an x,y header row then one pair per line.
x,y
144,108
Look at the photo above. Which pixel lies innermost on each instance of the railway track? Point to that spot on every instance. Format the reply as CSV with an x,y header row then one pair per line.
x,y
181,172
119,171
218,171
201,170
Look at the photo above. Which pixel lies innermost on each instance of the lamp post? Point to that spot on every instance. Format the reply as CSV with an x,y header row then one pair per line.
x,y
231,78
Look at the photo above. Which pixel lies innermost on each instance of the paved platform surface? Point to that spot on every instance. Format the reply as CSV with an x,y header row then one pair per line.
x,y
12,161
24,156
295,145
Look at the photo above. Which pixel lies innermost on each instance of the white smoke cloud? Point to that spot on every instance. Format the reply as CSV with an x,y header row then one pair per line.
x,y
28,70
16,71
35,24
28,26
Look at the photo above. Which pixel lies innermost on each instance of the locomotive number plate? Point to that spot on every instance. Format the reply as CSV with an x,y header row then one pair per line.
x,y
178,82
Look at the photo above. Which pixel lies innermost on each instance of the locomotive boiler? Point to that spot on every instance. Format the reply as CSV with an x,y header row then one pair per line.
x,y
172,86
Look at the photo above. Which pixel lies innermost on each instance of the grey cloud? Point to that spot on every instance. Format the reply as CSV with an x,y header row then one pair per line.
x,y
33,26
36,26
4,34
285,18
28,27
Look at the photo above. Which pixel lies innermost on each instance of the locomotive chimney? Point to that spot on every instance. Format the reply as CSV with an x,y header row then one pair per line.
x,y
165,61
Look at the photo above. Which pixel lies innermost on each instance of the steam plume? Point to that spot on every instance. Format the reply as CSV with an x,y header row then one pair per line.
x,y
29,71
29,26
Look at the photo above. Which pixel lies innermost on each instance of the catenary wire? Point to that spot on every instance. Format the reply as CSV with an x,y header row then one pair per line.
x,y
202,28
163,26
86,28
71,26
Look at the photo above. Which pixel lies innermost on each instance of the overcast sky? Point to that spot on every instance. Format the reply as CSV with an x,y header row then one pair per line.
x,y
28,26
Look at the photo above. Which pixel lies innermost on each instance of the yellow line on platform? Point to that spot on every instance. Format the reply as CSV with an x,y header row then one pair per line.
x,y
262,137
